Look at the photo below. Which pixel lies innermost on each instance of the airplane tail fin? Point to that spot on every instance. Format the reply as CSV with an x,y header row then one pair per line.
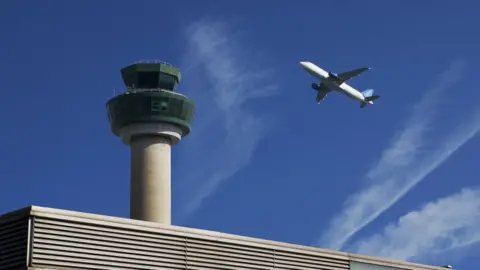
x,y
368,93
369,97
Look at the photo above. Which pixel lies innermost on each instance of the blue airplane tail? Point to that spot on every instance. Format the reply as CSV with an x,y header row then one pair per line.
x,y
368,93
369,97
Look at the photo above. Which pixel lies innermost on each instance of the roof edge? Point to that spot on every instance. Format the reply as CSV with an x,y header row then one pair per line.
x,y
16,214
127,223
178,230
390,262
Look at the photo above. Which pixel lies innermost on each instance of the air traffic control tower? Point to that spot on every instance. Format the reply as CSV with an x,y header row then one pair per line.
x,y
150,117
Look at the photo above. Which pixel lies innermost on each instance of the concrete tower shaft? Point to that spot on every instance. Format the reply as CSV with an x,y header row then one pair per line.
x,y
150,169
150,118
150,180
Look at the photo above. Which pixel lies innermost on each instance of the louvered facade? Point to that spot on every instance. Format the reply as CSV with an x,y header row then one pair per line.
x,y
14,230
46,238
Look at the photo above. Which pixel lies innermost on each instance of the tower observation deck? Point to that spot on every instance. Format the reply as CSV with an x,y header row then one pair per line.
x,y
150,117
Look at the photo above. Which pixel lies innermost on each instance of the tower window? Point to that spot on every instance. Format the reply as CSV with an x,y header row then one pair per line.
x,y
147,80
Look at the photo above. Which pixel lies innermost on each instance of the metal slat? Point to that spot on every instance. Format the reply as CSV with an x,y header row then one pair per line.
x,y
308,256
102,245
13,242
262,257
294,260
67,266
73,236
287,262
127,243
82,263
220,255
228,256
59,242
120,234
107,229
226,263
301,266
76,244
108,259
55,249
262,251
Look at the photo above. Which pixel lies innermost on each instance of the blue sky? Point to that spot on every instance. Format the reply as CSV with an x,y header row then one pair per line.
x,y
397,179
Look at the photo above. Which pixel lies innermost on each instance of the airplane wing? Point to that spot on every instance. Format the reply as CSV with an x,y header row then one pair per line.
x,y
322,92
321,95
352,73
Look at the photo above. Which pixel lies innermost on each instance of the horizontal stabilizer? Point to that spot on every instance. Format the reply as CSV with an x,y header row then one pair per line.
x,y
369,97
372,98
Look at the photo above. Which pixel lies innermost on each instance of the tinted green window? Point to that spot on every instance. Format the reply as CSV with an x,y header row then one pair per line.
x,y
159,105
147,80
167,82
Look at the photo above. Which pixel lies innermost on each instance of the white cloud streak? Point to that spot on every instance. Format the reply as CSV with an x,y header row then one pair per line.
x,y
234,79
448,223
398,170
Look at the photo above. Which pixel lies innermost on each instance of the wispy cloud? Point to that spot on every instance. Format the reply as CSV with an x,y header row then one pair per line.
x,y
232,130
398,170
448,223
408,141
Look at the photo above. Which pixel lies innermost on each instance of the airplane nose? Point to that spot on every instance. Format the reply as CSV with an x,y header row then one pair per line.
x,y
303,64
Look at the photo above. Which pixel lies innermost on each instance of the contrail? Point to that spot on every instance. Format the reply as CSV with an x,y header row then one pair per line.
x,y
234,79
397,171
446,224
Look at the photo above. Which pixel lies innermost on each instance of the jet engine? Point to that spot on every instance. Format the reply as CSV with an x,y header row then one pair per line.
x,y
315,86
333,75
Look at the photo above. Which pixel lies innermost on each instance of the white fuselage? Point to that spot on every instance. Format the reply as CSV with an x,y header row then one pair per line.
x,y
323,76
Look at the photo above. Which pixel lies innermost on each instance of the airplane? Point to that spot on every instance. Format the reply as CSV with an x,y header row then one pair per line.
x,y
337,82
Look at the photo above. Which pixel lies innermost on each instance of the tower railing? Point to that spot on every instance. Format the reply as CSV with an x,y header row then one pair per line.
x,y
153,62
137,90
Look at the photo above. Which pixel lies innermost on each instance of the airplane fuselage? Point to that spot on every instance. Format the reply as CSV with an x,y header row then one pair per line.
x,y
324,77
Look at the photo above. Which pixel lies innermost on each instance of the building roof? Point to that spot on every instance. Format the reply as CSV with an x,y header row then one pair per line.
x,y
61,238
